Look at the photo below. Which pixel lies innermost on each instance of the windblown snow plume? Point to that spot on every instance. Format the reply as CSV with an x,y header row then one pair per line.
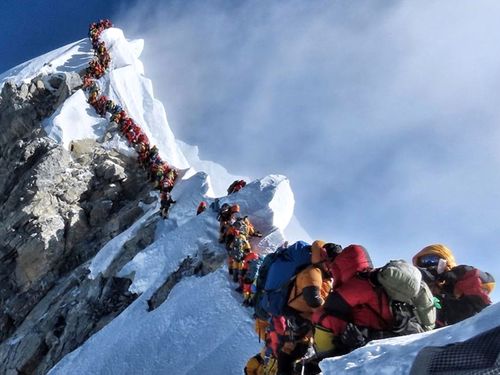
x,y
94,281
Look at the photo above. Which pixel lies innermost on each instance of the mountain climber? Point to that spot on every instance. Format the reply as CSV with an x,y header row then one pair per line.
x,y
229,235
294,345
248,273
354,299
226,217
239,246
312,285
201,207
215,206
462,290
261,364
433,260
464,293
166,201
245,226
307,293
360,298
236,186
143,151
224,213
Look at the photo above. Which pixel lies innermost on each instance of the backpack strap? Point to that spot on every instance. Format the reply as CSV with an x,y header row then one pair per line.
x,y
296,295
259,358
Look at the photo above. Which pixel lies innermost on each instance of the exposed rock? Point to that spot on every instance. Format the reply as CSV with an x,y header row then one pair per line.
x,y
132,247
23,93
110,171
57,209
205,262
40,85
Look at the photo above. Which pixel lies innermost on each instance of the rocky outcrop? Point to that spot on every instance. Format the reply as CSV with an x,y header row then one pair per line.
x,y
203,263
57,209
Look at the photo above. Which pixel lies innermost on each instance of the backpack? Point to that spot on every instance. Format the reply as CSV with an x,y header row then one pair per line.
x,y
253,269
412,303
238,247
275,277
241,226
466,280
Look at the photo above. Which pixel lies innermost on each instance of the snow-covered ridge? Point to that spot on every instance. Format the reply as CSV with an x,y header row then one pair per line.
x,y
269,202
396,355
201,327
71,58
126,85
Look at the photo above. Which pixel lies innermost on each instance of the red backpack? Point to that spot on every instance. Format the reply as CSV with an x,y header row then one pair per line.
x,y
469,281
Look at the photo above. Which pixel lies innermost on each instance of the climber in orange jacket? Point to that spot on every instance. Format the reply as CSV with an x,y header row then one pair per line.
x,y
312,285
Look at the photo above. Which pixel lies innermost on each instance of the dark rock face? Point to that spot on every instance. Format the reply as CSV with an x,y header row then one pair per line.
x,y
203,263
57,209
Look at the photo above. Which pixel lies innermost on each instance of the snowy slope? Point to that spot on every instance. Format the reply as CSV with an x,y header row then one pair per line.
x,y
70,58
159,346
201,327
395,356
222,179
202,323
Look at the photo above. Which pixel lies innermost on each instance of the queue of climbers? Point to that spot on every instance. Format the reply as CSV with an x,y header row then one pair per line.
x,y
161,174
321,300
311,301
242,262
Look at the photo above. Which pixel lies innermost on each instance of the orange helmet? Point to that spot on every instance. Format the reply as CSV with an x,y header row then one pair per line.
x,y
235,208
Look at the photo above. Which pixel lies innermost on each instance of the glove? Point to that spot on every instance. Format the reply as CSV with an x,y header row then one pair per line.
x,y
437,303
354,337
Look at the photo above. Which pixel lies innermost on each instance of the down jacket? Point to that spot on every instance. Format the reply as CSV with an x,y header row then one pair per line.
x,y
311,286
355,299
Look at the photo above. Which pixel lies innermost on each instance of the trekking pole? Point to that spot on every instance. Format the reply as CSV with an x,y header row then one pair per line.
x,y
303,370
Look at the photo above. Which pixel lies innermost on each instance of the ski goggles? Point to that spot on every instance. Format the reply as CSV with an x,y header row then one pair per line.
x,y
429,260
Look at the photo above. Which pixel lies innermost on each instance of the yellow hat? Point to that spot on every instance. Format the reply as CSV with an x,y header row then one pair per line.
x,y
438,249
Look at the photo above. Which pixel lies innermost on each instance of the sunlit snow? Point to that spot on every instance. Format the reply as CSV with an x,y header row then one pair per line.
x,y
201,328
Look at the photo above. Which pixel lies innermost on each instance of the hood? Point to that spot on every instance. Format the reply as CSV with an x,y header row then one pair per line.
x,y
353,259
440,250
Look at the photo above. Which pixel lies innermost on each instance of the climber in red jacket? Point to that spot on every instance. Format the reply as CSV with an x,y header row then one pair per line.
x,y
354,299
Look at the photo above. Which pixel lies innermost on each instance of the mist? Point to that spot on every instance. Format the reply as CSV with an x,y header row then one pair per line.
x,y
383,115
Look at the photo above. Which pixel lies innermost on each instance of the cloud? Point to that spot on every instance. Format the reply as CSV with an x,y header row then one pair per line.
x,y
384,117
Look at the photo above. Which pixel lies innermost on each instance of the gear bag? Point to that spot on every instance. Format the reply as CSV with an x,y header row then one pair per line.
x,y
276,274
412,302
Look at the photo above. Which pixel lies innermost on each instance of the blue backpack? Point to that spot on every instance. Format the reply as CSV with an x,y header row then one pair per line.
x,y
276,274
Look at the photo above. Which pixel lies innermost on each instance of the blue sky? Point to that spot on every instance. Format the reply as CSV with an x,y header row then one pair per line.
x,y
383,115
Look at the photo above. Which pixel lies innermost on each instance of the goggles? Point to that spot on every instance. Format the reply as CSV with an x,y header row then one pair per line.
x,y
429,260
